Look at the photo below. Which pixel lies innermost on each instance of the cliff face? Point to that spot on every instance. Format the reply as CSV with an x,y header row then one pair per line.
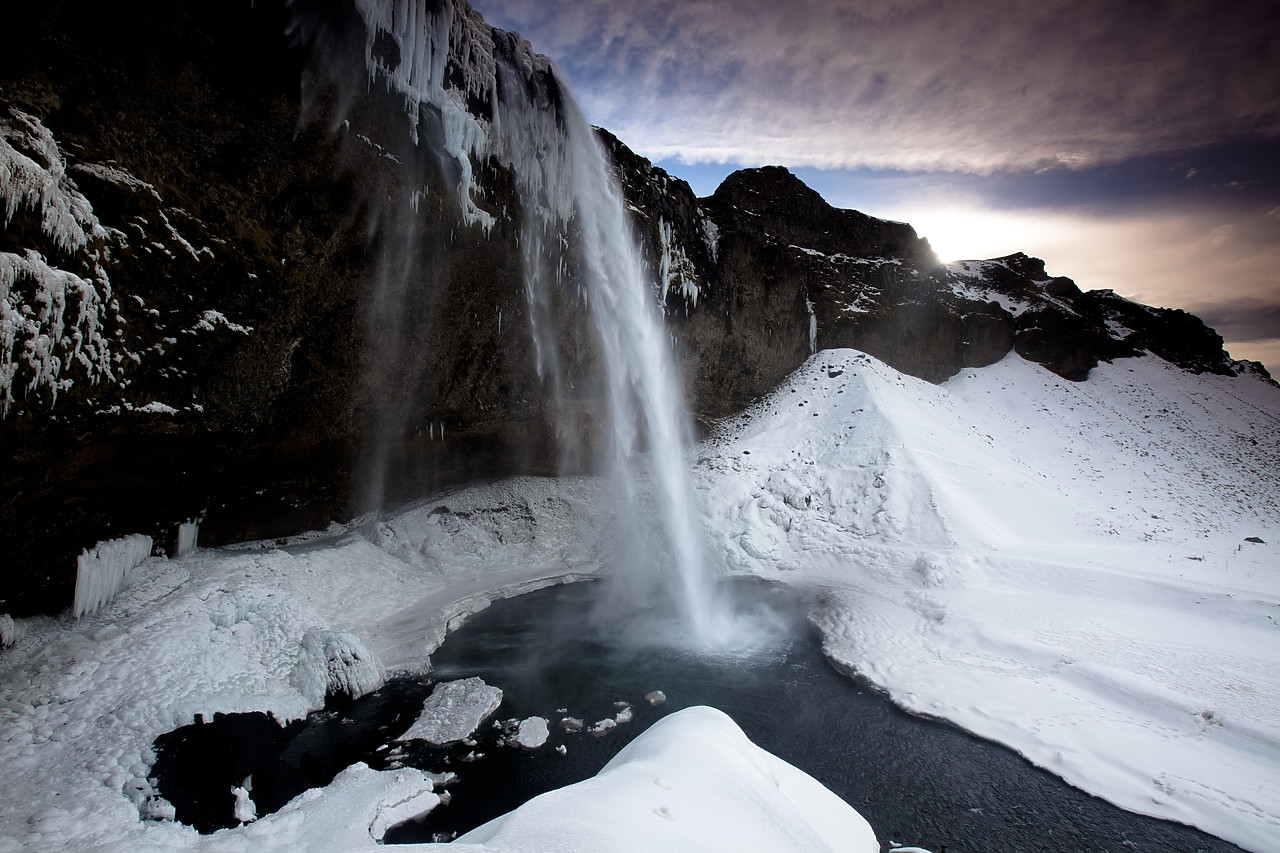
x,y
234,286
261,269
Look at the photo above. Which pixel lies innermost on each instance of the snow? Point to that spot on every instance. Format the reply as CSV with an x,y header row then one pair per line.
x,y
693,781
335,662
1062,567
33,175
102,569
453,711
244,809
50,320
449,37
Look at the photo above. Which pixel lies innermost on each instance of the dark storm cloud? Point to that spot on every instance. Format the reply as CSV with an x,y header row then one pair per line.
x,y
1244,321
909,84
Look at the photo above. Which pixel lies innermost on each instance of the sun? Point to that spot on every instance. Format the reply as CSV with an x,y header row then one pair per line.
x,y
971,233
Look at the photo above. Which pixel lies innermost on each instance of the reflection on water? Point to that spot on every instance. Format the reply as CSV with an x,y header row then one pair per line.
x,y
919,782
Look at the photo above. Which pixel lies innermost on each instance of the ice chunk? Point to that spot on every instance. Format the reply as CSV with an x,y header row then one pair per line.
x,y
101,570
603,726
245,810
453,711
657,697
532,733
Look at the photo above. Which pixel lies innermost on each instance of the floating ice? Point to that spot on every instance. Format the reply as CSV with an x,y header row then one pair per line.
x,y
532,733
453,711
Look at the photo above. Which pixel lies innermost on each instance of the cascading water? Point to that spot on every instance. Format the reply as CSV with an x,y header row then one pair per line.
x,y
644,400
494,98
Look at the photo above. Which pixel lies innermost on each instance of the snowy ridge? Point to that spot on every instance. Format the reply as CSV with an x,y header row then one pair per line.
x,y
1062,567
969,280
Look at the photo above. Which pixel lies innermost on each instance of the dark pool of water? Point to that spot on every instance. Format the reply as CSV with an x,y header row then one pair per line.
x,y
919,782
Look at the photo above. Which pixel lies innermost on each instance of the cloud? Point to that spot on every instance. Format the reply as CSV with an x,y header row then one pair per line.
x,y
913,84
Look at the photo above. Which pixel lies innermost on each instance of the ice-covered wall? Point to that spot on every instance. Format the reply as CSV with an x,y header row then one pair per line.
x,y
675,271
53,322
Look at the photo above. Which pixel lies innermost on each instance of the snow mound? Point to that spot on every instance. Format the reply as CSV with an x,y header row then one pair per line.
x,y
453,711
337,663
693,781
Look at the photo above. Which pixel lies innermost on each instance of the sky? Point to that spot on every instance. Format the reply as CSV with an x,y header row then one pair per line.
x,y
1132,144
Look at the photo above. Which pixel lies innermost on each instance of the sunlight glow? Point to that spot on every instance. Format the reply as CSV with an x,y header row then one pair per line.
x,y
964,234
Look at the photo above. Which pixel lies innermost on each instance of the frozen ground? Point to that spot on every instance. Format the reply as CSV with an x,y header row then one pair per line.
x,y
1061,567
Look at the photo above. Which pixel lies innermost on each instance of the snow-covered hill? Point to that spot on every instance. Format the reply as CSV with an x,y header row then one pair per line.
x,y
1063,567
1067,568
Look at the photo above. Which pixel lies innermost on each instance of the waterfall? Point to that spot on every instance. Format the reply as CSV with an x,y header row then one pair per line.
x,y
647,429
497,100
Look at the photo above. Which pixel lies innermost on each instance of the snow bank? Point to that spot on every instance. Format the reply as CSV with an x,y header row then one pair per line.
x,y
693,781
102,569
1061,567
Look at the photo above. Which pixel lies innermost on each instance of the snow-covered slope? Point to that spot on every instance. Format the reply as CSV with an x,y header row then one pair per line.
x,y
691,782
1062,567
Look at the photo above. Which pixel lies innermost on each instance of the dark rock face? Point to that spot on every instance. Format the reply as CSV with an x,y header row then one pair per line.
x,y
241,291
216,354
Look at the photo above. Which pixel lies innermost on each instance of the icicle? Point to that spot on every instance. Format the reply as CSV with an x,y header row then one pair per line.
x,y
188,533
101,570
